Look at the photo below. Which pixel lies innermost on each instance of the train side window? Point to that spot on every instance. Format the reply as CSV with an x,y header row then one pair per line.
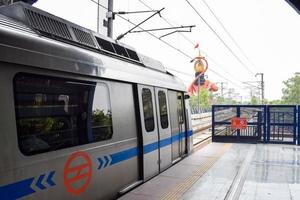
x,y
163,109
101,117
180,108
148,109
51,113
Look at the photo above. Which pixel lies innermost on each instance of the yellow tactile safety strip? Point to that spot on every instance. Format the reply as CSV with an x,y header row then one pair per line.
x,y
178,191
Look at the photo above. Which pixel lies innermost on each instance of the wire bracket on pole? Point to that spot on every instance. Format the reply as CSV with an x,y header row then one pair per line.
x,y
168,28
177,31
129,31
134,12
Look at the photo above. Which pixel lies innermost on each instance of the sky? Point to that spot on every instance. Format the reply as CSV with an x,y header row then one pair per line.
x,y
266,31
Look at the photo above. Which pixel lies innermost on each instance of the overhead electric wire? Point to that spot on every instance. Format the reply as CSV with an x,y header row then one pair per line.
x,y
228,33
168,44
221,76
192,75
219,37
167,22
192,43
171,46
181,72
99,4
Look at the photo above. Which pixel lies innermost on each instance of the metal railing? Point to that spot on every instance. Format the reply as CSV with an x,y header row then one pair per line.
x,y
222,131
265,123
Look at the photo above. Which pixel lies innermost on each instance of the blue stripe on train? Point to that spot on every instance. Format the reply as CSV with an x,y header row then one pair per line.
x,y
150,147
109,160
123,155
24,187
17,190
165,142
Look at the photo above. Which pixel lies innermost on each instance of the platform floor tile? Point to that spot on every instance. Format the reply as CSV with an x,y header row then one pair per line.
x,y
161,186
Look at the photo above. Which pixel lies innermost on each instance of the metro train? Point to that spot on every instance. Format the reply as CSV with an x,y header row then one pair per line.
x,y
82,116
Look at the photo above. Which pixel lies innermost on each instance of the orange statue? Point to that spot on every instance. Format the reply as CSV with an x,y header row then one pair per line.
x,y
200,67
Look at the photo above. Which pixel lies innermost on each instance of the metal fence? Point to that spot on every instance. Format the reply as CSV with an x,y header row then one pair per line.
x,y
200,110
282,124
268,124
222,130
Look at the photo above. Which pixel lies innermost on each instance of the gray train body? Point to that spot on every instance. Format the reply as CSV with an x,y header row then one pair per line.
x,y
82,117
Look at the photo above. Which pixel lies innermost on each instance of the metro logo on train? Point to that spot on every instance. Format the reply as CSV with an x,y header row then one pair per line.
x,y
75,173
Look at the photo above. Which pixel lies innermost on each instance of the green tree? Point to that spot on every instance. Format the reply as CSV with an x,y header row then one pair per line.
x,y
254,100
291,90
275,102
204,99
219,100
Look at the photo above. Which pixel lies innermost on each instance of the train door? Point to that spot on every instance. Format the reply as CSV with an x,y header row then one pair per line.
x,y
181,123
149,131
188,120
178,130
164,128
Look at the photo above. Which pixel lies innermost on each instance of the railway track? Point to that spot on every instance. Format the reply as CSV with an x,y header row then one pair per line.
x,y
202,130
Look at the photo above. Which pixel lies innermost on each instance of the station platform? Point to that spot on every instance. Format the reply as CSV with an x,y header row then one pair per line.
x,y
228,171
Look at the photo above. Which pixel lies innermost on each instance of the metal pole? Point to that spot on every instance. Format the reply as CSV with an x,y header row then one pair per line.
x,y
110,19
222,89
262,87
199,95
98,17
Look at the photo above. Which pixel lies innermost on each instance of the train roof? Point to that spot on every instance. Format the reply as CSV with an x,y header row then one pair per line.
x,y
33,37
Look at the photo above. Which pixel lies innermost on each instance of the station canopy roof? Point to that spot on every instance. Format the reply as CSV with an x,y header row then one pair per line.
x,y
295,4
